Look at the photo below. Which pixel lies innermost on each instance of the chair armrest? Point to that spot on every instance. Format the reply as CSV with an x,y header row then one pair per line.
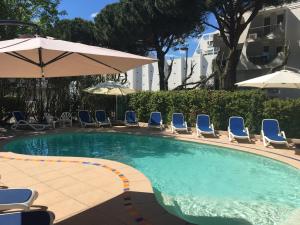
x,y
161,122
185,123
212,127
283,134
262,135
228,129
247,131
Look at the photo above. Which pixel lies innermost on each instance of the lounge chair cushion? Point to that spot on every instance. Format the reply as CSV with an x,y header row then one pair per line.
x,y
26,218
85,117
19,116
130,117
100,116
203,123
271,130
178,121
276,138
237,126
10,196
155,119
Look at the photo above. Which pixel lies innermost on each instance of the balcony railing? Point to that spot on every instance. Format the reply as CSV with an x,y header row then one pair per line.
x,y
262,59
269,32
211,51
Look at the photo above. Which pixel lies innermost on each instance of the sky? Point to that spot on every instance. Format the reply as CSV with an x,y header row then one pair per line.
x,y
87,9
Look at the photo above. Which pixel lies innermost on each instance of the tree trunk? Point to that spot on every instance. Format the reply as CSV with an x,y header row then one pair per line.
x,y
163,84
229,74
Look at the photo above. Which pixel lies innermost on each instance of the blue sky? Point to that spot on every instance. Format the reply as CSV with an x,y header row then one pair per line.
x,y
88,8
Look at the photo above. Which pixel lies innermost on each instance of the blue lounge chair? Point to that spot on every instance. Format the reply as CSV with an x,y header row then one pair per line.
x,y
101,118
271,133
155,120
86,119
178,123
15,198
21,122
203,125
237,129
36,217
130,119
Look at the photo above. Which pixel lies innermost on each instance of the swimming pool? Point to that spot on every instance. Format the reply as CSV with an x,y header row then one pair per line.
x,y
203,184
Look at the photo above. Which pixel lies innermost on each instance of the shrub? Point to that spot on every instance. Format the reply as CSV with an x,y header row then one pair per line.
x,y
220,105
287,112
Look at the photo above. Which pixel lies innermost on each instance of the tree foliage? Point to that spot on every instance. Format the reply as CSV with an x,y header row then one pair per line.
x,y
43,12
232,22
143,26
75,30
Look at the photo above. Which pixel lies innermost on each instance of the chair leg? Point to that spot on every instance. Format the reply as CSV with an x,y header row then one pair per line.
x,y
265,142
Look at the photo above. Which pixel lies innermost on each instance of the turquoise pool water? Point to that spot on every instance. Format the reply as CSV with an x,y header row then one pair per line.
x,y
202,184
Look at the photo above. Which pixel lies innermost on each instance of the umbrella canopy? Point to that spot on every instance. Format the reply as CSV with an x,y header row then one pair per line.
x,y
279,79
109,88
46,57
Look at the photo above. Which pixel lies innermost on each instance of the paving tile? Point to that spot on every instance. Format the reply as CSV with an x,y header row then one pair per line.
x,y
61,182
50,198
41,188
65,209
77,189
48,176
94,197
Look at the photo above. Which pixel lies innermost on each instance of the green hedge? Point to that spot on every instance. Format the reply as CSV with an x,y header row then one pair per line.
x,y
220,105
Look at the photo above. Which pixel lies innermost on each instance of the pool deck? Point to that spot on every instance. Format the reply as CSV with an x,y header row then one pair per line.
x,y
84,189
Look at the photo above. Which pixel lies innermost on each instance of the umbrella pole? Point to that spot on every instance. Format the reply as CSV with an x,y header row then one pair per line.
x,y
116,107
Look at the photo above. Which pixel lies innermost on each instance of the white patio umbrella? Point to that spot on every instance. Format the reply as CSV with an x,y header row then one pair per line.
x,y
46,57
110,88
279,79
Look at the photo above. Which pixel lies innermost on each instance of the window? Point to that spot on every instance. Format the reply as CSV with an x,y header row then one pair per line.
x,y
280,19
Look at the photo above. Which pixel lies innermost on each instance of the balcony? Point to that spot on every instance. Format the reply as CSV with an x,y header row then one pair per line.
x,y
270,32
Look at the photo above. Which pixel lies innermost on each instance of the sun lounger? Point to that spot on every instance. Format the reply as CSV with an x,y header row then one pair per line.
x,y
237,129
203,125
130,119
101,118
21,122
37,217
155,120
17,198
271,133
178,123
86,119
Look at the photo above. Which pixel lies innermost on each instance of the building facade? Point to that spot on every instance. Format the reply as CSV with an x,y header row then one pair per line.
x,y
146,78
271,40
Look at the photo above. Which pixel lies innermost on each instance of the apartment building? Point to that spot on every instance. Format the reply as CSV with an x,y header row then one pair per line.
x,y
146,78
272,38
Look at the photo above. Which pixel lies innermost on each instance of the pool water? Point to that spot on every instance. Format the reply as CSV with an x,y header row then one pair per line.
x,y
202,184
